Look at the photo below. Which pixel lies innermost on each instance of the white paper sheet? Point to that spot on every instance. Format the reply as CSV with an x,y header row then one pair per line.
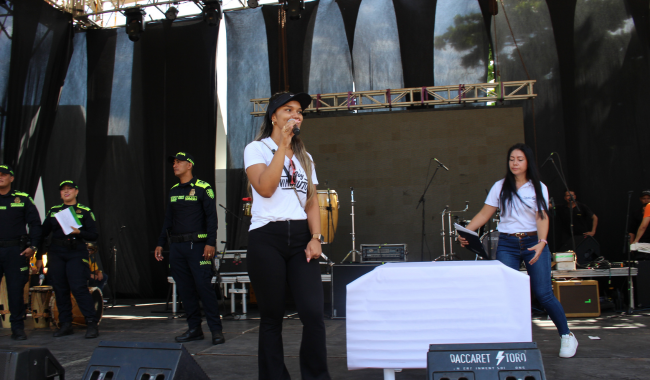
x,y
66,219
398,309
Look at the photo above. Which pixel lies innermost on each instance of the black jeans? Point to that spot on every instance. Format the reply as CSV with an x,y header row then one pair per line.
x,y
276,259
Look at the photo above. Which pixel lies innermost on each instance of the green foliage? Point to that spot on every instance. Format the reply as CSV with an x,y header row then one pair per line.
x,y
465,35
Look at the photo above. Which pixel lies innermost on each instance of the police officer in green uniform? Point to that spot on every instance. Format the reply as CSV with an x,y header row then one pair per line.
x,y
67,261
16,210
191,223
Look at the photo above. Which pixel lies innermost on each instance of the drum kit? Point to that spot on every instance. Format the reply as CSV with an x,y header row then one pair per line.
x,y
489,239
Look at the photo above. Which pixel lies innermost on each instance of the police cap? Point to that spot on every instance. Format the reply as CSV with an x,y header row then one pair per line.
x,y
68,183
6,169
182,156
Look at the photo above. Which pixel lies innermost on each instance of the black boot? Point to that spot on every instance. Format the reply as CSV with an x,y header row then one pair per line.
x,y
218,338
66,329
190,335
18,334
92,331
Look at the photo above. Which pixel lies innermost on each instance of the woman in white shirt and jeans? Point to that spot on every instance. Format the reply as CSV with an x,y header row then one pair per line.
x,y
284,241
523,201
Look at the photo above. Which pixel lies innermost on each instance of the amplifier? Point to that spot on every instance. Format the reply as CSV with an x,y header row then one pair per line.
x,y
383,253
342,275
578,298
485,361
232,263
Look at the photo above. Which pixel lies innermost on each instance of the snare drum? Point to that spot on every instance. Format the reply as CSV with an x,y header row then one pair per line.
x,y
41,314
490,241
328,220
77,317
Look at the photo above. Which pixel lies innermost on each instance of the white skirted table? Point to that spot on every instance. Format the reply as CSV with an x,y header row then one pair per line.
x,y
396,311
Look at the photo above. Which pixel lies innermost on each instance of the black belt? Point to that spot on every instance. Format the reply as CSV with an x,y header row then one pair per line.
x,y
194,237
9,243
66,243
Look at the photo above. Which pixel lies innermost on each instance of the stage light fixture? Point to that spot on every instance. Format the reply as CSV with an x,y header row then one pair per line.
x,y
253,4
171,13
134,22
295,7
211,12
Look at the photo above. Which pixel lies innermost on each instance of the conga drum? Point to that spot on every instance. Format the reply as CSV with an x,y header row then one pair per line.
x,y
41,306
4,304
328,203
77,317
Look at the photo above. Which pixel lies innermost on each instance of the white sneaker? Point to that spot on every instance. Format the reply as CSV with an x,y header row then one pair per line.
x,y
569,346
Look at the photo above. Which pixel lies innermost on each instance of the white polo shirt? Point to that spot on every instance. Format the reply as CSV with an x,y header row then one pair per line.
x,y
520,217
283,204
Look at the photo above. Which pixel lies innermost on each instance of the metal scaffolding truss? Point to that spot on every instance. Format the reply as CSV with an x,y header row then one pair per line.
x,y
102,13
415,96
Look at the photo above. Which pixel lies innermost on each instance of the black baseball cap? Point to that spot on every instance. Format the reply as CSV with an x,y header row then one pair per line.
x,y
645,192
68,183
6,169
303,98
182,156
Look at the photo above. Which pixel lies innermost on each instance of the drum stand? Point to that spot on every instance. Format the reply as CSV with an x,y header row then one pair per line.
x,y
452,235
354,251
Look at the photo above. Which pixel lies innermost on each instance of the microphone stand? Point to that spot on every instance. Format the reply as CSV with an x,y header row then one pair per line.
x,y
572,201
630,284
114,250
423,202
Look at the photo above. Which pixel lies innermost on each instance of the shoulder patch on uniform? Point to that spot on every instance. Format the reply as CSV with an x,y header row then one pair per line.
x,y
92,216
202,184
210,193
174,186
57,206
79,205
20,193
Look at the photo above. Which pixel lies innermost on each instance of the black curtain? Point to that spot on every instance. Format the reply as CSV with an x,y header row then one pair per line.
x,y
40,53
176,68
297,33
415,23
172,103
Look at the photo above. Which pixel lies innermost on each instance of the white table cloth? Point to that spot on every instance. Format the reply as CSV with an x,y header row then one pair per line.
x,y
398,309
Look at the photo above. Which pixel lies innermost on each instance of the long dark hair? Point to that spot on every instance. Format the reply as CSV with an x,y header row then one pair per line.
x,y
509,189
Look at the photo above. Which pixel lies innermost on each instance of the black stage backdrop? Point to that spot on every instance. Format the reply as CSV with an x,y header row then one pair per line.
x,y
143,104
40,52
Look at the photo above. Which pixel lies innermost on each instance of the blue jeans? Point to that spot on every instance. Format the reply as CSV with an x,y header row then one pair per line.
x,y
511,251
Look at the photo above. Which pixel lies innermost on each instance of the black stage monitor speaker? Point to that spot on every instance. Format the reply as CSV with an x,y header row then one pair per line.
x,y
142,361
29,363
485,361
342,275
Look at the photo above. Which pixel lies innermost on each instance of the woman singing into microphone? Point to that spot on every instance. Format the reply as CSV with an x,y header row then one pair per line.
x,y
523,201
284,242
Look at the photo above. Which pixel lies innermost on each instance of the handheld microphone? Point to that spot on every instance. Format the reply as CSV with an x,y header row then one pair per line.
x,y
296,130
441,164
549,158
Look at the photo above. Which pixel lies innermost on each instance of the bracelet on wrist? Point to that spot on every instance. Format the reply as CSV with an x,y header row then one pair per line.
x,y
542,240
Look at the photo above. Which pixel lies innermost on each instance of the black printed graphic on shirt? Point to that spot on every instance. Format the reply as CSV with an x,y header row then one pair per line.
x,y
301,182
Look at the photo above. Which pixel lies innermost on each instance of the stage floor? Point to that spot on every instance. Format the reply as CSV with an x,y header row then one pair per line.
x,y
623,351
